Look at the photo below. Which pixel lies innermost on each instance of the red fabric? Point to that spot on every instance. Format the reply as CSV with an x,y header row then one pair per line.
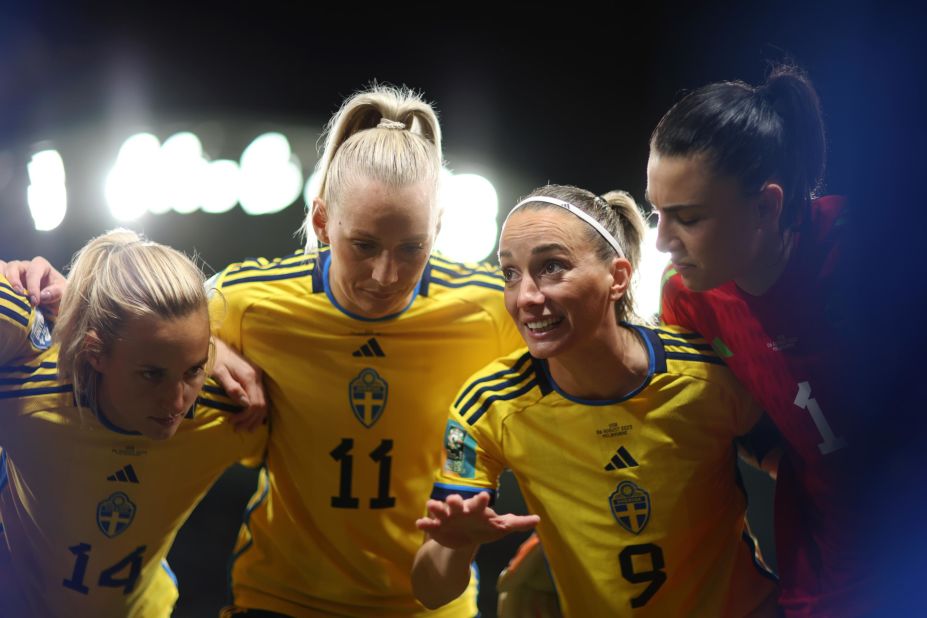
x,y
789,346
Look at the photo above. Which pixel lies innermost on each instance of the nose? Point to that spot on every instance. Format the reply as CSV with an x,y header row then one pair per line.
x,y
665,236
529,293
385,269
175,397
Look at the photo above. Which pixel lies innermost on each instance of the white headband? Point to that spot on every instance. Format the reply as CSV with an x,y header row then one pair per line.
x,y
576,211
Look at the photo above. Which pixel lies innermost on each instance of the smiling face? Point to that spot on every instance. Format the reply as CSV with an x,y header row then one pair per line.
x,y
380,239
560,294
153,372
712,229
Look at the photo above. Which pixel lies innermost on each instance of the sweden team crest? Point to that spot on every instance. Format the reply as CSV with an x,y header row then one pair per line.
x,y
367,395
631,506
115,514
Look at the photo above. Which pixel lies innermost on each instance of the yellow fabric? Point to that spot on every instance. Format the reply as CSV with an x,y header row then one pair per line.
x,y
650,477
71,553
357,409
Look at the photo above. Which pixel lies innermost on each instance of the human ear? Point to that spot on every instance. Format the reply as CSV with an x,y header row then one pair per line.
x,y
769,205
93,348
621,278
320,220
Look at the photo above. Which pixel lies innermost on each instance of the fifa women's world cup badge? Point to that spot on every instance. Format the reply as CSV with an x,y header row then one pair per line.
x,y
460,448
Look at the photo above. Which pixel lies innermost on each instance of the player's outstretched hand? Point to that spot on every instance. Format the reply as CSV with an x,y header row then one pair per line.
x,y
38,280
458,523
243,382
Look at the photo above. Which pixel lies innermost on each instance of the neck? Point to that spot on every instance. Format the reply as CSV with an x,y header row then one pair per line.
x,y
768,266
609,367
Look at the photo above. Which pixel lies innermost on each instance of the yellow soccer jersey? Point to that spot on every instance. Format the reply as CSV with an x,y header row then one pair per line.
x,y
356,431
641,508
89,511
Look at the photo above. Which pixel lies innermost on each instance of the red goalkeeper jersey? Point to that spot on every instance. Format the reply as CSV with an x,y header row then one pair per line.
x,y
788,347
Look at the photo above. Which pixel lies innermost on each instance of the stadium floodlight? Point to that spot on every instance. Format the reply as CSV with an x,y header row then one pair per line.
x,y
468,227
47,193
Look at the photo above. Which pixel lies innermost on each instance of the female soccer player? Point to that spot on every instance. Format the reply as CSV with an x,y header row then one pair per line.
x,y
360,343
106,447
733,172
621,436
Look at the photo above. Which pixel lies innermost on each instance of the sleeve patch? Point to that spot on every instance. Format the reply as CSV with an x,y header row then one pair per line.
x,y
461,451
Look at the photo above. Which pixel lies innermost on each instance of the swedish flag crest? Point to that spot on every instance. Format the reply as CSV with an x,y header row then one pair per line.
x,y
630,506
115,514
367,395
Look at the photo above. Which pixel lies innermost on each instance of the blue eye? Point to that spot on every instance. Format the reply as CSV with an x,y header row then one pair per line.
x,y
152,375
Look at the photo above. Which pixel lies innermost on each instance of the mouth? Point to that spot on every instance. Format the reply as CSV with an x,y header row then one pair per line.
x,y
543,325
682,266
167,421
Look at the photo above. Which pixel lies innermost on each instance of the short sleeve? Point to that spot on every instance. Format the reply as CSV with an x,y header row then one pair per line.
x,y
24,331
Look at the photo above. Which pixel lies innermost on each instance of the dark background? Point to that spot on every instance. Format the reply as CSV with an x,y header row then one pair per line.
x,y
526,94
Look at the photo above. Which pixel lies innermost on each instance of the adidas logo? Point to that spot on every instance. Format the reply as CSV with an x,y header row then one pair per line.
x,y
371,348
126,475
621,459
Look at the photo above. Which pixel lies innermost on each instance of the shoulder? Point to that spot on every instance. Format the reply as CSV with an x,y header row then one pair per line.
x,y
505,385
35,379
464,280
256,275
683,354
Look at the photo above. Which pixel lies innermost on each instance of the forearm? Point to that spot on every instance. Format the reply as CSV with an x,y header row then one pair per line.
x,y
441,574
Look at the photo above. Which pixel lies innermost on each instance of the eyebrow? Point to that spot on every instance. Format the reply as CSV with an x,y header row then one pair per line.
x,y
672,208
548,248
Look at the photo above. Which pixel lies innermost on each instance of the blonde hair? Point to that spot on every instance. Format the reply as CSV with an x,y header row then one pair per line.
x,y
619,214
384,133
116,277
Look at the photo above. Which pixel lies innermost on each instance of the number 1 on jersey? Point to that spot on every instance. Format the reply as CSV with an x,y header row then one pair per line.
x,y
804,401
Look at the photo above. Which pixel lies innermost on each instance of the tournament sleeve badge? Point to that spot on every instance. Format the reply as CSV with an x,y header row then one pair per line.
x,y
40,333
461,451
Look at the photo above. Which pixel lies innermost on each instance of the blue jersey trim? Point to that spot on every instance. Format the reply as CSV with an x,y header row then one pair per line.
x,y
678,335
19,302
331,297
695,357
490,400
29,392
170,573
516,368
45,377
463,284
27,368
110,425
293,275
511,381
702,347
276,264
651,367
14,316
440,491
246,522
219,405
453,274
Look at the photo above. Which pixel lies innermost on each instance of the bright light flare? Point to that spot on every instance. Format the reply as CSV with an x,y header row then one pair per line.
x,y
648,281
271,177
133,186
47,194
469,227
